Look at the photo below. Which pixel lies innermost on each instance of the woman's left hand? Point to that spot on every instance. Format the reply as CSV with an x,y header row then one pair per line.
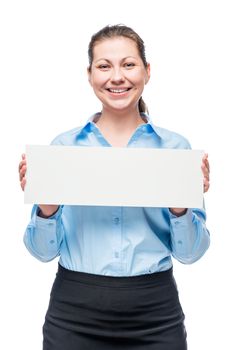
x,y
206,173
206,184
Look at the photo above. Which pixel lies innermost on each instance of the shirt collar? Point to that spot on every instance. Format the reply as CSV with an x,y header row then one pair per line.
x,y
91,123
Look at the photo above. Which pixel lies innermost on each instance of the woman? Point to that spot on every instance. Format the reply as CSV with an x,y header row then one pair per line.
x,y
115,287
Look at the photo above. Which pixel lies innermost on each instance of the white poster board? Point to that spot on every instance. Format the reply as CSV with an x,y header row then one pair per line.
x,y
113,176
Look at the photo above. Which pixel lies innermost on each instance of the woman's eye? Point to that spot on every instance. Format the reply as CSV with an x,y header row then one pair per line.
x,y
103,66
129,65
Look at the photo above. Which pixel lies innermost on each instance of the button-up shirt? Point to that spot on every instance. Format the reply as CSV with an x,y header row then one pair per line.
x,y
114,240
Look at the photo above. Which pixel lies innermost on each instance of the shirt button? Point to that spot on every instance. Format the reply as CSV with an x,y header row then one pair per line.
x,y
177,223
116,255
179,242
116,221
52,241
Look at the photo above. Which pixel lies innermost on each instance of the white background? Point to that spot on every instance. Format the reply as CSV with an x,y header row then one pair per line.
x,y
44,91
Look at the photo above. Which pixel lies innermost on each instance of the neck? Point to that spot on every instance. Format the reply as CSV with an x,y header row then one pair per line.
x,y
120,120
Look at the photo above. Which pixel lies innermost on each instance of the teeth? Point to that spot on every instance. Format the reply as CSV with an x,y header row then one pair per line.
x,y
118,91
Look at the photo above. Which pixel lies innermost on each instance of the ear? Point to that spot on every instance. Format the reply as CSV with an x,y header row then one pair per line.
x,y
89,75
147,73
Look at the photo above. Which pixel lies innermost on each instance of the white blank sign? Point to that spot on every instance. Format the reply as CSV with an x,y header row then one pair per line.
x,y
113,176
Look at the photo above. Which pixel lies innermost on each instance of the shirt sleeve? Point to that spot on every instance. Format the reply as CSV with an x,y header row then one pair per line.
x,y
189,236
43,237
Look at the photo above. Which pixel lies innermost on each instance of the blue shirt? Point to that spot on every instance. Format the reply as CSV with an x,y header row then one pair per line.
x,y
118,241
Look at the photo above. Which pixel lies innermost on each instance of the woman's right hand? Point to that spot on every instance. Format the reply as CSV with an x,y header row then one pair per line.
x,y
45,210
22,171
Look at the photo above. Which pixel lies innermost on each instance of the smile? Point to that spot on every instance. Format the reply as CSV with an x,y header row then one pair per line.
x,y
118,91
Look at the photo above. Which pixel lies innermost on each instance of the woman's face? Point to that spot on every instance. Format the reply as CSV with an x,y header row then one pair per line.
x,y
117,74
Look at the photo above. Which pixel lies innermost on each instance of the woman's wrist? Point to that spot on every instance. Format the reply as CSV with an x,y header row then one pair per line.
x,y
46,211
178,211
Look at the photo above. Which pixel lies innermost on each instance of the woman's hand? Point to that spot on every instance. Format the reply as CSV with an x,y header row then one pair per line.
x,y
45,210
206,184
22,171
206,173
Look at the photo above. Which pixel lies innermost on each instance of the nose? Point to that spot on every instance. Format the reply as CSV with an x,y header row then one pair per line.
x,y
117,76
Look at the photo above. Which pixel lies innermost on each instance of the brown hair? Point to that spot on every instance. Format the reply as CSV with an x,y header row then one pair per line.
x,y
111,31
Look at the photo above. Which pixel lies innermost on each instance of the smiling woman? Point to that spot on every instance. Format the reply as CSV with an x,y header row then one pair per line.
x,y
115,287
118,72
118,75
120,53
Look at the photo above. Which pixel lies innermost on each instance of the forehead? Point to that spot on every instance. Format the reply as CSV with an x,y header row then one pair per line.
x,y
117,47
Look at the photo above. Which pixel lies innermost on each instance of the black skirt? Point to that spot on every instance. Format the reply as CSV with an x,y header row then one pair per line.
x,y
92,312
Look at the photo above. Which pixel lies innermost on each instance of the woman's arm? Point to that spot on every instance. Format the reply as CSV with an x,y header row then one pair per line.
x,y
44,233
189,236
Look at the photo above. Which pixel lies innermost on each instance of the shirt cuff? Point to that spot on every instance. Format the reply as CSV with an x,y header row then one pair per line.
x,y
181,220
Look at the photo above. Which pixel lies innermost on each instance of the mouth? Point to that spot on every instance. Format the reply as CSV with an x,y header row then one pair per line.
x,y
118,91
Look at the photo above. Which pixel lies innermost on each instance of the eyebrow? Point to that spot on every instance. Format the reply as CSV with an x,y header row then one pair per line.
x,y
105,59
